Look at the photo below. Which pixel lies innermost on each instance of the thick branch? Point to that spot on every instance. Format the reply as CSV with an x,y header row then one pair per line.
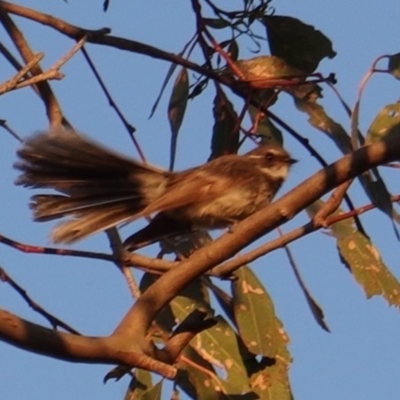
x,y
75,348
167,287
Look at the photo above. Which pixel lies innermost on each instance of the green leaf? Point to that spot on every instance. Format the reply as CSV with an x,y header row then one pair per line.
x,y
202,385
315,308
299,44
187,244
354,124
175,394
164,85
363,259
195,381
198,88
224,299
177,108
154,393
282,352
271,381
386,123
371,273
233,50
394,65
320,120
140,384
255,314
225,139
219,346
193,297
216,23
379,195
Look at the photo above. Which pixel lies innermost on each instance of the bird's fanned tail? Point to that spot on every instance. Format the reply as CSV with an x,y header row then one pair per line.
x,y
100,189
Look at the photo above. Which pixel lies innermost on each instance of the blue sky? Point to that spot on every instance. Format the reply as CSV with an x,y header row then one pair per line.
x,y
359,360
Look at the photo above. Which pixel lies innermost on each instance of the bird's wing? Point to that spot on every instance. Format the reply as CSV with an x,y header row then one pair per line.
x,y
200,186
98,218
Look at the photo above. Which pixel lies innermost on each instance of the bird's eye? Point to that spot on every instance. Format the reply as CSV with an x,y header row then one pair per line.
x,y
269,157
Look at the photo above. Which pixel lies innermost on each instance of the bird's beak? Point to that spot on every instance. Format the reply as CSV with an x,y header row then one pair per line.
x,y
293,161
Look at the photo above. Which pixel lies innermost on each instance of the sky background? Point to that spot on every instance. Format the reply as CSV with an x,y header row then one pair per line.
x,y
360,359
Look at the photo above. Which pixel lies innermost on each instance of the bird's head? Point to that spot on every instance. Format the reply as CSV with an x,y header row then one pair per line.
x,y
273,161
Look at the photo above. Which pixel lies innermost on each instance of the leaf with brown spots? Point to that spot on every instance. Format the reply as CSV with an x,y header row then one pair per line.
x,y
364,261
270,381
219,346
362,258
255,315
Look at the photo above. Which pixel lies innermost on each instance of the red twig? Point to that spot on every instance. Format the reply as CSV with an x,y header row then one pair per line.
x,y
230,266
26,248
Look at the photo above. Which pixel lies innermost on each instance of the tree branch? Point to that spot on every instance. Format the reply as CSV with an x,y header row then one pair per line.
x,y
27,248
74,348
53,109
102,37
168,286
54,321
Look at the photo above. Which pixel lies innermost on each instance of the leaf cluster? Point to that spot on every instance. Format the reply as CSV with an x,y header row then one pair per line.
x,y
173,328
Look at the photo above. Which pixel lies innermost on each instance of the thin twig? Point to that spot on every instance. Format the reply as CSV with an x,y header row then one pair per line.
x,y
355,133
118,251
45,76
230,266
53,109
70,53
51,73
9,57
54,321
148,264
13,82
26,248
332,204
102,37
128,126
3,124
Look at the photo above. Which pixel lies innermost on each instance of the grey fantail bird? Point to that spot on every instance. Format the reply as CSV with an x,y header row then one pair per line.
x,y
100,189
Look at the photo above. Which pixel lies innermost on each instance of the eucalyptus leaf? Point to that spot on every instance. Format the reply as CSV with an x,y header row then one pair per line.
x,y
319,119
299,44
394,65
140,384
363,259
255,314
386,123
177,108
225,138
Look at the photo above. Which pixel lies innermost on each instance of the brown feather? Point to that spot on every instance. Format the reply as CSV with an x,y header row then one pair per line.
x,y
101,189
95,182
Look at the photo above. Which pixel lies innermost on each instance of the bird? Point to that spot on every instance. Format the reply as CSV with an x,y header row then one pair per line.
x,y
97,188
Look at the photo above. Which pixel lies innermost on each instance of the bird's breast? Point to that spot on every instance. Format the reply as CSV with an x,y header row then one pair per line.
x,y
233,206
